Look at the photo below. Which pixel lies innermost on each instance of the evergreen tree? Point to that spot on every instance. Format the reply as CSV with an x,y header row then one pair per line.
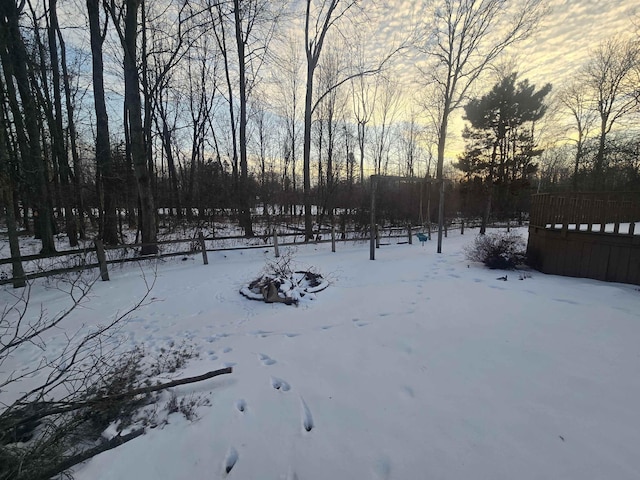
x,y
500,141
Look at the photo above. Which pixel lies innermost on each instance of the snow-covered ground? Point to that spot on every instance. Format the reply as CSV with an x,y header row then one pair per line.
x,y
412,366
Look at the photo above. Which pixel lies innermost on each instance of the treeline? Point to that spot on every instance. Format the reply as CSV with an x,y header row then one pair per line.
x,y
583,136
114,110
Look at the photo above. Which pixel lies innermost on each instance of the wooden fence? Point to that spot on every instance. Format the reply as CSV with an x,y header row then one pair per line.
x,y
96,256
590,235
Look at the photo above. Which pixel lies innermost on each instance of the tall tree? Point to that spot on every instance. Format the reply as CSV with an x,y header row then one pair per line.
x,y
501,146
609,77
133,119
108,228
576,100
322,17
15,63
56,128
6,192
463,38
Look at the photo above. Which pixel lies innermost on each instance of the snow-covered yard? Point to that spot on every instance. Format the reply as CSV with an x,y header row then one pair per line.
x,y
412,366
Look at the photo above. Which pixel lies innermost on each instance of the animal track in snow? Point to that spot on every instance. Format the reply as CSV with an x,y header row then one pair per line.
x,y
280,384
241,405
383,467
307,419
227,350
562,300
496,288
408,391
266,359
362,324
260,333
230,460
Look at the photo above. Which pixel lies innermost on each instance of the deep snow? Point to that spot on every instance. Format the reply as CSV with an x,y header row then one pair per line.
x,y
415,365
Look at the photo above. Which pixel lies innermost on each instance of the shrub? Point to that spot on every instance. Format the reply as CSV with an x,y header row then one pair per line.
x,y
504,250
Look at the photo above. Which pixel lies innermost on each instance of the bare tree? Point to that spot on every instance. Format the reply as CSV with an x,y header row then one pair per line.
x,y
104,165
364,94
287,88
609,77
128,34
19,81
463,37
575,99
6,192
385,111
322,17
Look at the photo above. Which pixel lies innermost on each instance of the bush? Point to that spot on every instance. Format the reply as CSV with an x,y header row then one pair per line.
x,y
503,251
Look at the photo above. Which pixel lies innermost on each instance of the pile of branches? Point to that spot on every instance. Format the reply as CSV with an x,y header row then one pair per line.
x,y
279,283
91,398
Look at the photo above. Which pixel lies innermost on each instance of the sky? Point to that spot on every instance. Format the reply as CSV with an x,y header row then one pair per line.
x,y
554,54
415,365
560,45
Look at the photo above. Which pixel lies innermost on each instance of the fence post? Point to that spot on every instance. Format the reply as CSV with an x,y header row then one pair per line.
x,y
409,232
275,243
102,260
462,227
203,247
333,238
377,233
446,230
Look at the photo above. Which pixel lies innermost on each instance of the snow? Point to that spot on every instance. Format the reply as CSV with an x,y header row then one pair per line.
x,y
415,365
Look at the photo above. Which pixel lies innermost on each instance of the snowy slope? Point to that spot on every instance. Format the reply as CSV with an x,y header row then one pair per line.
x,y
416,365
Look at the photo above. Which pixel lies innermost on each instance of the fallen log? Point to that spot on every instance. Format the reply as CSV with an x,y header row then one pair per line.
x,y
59,408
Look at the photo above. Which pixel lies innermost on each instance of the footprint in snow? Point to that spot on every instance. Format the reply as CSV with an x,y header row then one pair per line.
x,y
362,324
280,384
408,391
266,359
307,419
230,460
383,467
227,350
260,333
562,300
241,405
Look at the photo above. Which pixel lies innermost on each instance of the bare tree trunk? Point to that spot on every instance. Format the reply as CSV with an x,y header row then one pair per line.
x,y
133,106
245,211
6,192
79,197
57,131
104,165
15,61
